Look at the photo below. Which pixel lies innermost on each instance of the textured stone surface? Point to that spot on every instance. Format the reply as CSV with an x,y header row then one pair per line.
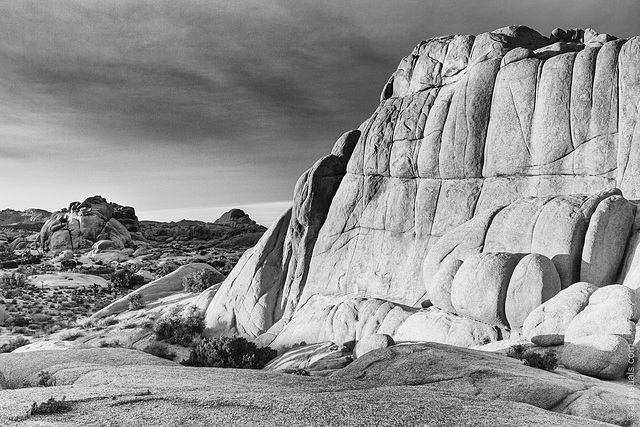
x,y
534,281
606,240
613,310
602,356
372,342
547,323
468,129
313,357
479,289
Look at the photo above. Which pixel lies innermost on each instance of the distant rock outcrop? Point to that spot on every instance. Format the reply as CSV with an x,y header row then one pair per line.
x,y
12,218
83,224
236,218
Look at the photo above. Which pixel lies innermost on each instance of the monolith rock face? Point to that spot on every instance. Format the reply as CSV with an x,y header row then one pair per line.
x,y
498,170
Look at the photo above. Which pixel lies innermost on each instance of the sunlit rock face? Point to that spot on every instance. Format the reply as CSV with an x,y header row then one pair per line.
x,y
508,142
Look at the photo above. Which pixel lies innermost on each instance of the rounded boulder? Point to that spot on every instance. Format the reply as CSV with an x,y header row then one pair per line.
x,y
534,281
479,288
372,342
612,310
600,356
439,287
547,323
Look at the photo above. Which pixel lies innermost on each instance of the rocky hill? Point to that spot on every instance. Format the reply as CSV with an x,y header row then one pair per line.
x,y
498,170
82,225
28,219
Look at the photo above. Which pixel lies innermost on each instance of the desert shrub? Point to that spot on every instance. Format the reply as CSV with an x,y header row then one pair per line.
x,y
11,380
200,280
13,344
180,328
71,336
166,268
135,302
547,361
124,278
13,280
229,352
112,344
160,350
301,372
517,351
51,406
45,379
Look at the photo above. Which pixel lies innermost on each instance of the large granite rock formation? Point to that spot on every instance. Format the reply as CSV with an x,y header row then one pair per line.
x,y
508,146
83,224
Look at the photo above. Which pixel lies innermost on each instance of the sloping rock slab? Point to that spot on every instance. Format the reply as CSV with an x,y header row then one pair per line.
x,y
480,374
142,394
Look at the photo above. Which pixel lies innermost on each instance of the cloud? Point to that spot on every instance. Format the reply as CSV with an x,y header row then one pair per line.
x,y
168,103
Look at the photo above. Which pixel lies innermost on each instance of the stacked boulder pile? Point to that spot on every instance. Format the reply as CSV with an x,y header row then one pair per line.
x,y
497,178
84,224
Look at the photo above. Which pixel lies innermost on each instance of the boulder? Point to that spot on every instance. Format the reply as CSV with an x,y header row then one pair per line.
x,y
3,315
83,224
479,289
126,215
439,289
312,357
612,310
601,356
606,240
547,323
372,342
103,245
534,281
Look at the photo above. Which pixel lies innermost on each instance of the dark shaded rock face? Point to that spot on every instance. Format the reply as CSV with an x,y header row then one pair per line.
x,y
487,147
126,215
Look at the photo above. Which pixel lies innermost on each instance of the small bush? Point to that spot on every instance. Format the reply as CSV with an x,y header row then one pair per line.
x,y
71,336
517,351
200,280
124,278
112,344
13,344
11,380
180,329
45,379
229,352
166,268
547,361
160,350
13,280
135,302
51,406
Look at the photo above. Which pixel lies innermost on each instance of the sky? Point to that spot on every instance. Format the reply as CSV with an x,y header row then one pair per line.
x,y
185,108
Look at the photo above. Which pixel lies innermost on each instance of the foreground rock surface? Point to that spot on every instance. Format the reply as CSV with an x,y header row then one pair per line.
x,y
165,394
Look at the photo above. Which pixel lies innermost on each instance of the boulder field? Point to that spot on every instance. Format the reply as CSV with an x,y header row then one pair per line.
x,y
499,171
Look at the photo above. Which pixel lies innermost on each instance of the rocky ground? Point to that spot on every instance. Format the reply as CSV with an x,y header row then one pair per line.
x,y
80,327
44,292
121,387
